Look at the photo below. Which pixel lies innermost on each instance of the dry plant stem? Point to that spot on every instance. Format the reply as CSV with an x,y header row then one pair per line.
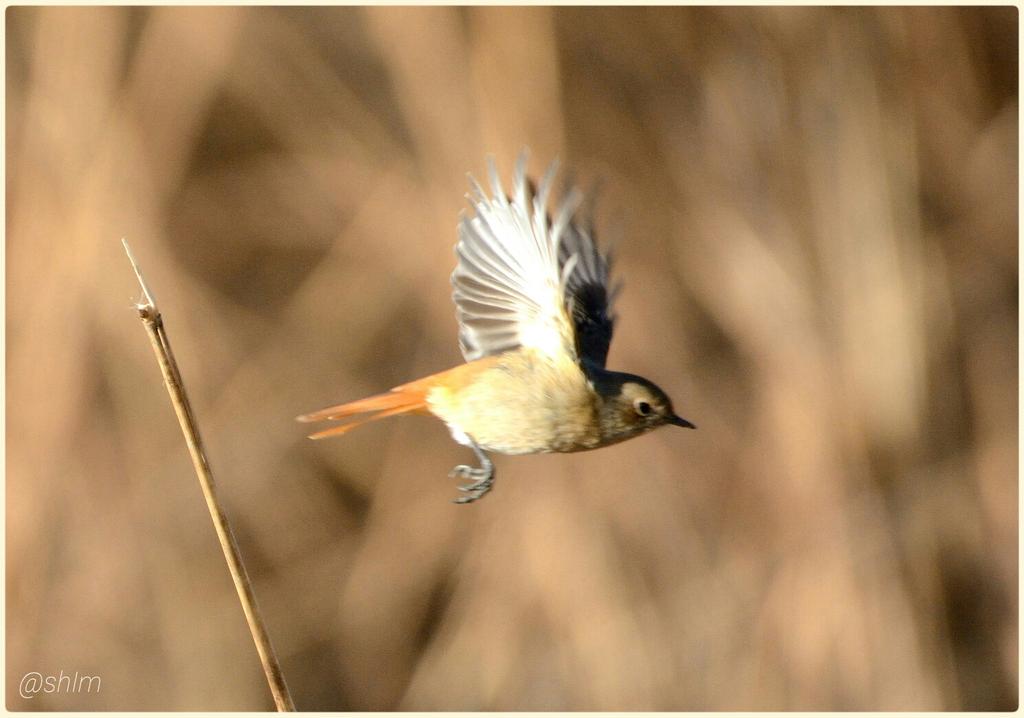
x,y
153,322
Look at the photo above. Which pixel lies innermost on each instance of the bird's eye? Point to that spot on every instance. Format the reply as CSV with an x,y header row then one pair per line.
x,y
642,407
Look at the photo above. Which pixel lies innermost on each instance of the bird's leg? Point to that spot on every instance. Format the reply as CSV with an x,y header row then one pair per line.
x,y
482,477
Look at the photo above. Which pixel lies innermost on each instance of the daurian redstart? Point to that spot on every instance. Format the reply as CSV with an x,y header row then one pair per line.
x,y
533,304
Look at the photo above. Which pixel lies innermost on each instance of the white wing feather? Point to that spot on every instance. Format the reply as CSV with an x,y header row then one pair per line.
x,y
515,267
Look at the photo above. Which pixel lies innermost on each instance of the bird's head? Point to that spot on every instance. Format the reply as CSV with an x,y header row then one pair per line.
x,y
632,405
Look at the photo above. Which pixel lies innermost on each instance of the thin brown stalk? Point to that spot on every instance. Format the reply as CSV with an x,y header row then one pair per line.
x,y
153,322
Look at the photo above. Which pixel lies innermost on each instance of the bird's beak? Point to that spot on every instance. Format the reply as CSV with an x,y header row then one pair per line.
x,y
680,421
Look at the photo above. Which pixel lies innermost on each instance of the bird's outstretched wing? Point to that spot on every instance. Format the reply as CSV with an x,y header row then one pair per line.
x,y
524,279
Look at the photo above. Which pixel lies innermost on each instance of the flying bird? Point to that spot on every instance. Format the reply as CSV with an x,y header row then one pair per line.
x,y
534,308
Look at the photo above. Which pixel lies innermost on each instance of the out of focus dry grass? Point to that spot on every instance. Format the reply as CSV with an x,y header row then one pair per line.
x,y
816,218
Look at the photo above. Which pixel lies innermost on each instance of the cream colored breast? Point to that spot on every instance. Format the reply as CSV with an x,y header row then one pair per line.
x,y
522,405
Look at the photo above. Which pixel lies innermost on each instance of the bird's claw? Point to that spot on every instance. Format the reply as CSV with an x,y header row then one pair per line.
x,y
461,471
481,478
484,479
468,472
473,492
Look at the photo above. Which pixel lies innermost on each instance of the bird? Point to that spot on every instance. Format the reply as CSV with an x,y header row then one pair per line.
x,y
534,308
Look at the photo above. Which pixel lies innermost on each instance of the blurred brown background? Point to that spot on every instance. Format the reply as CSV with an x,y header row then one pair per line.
x,y
815,213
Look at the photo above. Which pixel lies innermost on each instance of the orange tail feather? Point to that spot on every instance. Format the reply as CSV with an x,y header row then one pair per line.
x,y
401,400
405,399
